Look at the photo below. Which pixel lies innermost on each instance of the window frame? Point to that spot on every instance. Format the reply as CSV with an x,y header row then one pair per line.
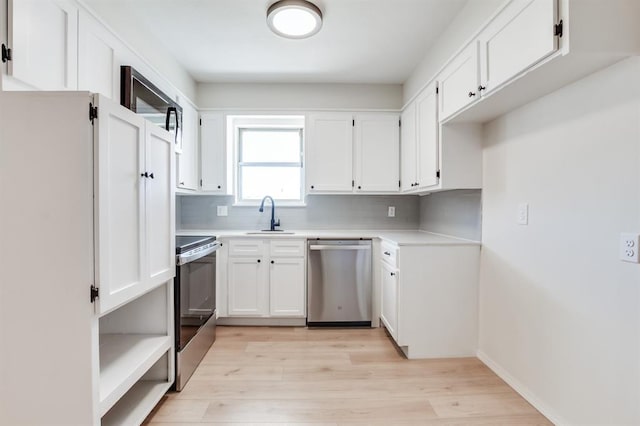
x,y
275,123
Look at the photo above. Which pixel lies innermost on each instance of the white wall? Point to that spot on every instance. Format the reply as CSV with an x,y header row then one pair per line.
x,y
466,24
300,96
559,313
457,213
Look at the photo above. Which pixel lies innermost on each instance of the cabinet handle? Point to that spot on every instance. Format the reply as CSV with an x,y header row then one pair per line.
x,y
181,183
145,174
359,187
471,94
393,274
312,187
481,88
259,260
219,186
387,253
417,183
272,262
151,175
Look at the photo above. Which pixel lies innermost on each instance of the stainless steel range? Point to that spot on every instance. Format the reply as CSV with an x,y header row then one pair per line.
x,y
195,303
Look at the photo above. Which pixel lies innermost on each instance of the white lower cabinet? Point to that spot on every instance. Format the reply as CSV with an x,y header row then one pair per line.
x,y
429,299
265,278
103,225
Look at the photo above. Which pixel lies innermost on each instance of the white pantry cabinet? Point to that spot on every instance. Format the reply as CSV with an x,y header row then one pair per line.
x,y
264,278
377,153
214,159
420,142
187,158
351,152
428,298
100,223
43,38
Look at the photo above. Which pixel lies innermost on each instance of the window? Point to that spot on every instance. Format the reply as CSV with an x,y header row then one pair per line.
x,y
269,159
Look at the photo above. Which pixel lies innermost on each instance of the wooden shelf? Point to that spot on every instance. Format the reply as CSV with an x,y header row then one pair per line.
x,y
136,404
124,359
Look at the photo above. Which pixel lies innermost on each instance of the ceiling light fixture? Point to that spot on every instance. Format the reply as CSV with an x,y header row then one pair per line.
x,y
294,18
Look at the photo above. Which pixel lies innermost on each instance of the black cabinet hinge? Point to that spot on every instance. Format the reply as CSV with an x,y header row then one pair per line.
x,y
400,123
399,184
201,182
438,174
353,183
93,112
6,53
95,293
353,123
437,90
201,121
557,29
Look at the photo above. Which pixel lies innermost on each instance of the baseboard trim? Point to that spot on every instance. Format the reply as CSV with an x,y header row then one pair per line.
x,y
274,322
524,391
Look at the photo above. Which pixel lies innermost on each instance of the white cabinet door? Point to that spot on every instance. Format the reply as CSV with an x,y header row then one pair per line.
x,y
159,205
427,135
459,82
329,153
377,151
521,35
389,300
213,152
408,148
119,135
43,36
248,287
287,285
187,160
98,71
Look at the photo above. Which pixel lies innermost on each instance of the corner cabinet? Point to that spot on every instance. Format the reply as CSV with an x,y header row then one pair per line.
x,y
100,210
352,153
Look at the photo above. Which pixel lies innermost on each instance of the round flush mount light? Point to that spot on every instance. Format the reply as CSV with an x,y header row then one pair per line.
x,y
294,18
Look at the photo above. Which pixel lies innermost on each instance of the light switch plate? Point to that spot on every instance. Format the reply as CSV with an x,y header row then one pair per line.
x,y
629,245
222,211
523,214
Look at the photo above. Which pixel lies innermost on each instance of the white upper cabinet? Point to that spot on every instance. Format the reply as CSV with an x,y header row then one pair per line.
x,y
43,37
187,160
521,35
420,142
427,137
213,154
329,153
134,206
459,82
98,71
377,151
408,148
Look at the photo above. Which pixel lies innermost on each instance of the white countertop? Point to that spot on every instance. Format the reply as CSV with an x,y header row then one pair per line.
x,y
399,237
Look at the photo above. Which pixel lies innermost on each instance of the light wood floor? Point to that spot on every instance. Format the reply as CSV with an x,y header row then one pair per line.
x,y
259,375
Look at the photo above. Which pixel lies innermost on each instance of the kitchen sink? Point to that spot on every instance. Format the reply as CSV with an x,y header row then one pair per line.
x,y
268,232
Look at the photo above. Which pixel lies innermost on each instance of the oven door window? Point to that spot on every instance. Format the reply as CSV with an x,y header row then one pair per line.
x,y
197,296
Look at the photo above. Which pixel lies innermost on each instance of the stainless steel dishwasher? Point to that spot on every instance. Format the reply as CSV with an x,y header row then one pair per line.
x,y
339,283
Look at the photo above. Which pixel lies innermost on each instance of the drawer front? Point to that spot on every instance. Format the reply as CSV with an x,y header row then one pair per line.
x,y
389,253
287,248
246,247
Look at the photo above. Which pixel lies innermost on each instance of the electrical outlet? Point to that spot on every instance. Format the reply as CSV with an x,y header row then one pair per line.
x,y
222,211
523,214
629,247
391,212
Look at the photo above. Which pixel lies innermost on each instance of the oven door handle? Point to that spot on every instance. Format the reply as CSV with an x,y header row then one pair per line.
x,y
183,260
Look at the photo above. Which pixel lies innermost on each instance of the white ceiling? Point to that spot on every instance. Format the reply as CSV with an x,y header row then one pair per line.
x,y
361,41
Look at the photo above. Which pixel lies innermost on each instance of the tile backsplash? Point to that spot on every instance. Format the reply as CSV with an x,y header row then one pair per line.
x,y
321,212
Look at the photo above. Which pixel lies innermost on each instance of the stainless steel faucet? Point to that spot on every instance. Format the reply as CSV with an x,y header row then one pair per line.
x,y
273,209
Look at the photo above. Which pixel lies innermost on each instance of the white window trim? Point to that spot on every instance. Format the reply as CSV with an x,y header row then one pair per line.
x,y
237,122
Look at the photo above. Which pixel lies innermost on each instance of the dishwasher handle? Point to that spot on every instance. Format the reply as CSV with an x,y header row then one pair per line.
x,y
339,247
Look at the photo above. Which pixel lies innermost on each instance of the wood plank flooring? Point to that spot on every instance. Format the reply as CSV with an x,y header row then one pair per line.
x,y
287,375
